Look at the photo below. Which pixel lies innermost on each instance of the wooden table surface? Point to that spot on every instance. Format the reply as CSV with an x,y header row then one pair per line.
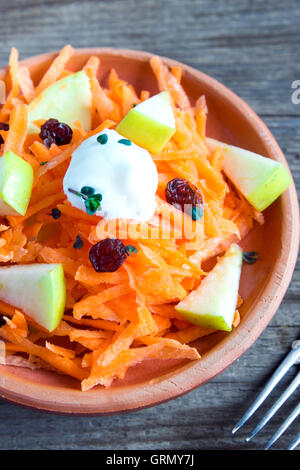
x,y
252,46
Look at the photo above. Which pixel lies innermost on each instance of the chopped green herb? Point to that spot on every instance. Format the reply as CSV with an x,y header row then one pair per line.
x,y
78,242
43,163
130,249
91,201
250,257
77,193
87,190
91,206
96,197
125,142
134,105
102,139
197,213
55,213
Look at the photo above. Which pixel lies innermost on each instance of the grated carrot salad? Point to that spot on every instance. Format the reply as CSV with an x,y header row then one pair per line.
x,y
113,320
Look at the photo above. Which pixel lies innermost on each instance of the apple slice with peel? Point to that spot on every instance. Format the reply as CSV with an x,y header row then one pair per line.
x,y
261,180
67,100
16,179
213,303
39,290
151,123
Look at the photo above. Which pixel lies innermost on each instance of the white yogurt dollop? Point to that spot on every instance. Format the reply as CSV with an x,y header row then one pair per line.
x,y
125,176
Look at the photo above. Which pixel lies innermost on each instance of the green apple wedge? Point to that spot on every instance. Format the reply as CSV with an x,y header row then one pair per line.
x,y
38,290
16,179
213,303
151,123
260,179
67,100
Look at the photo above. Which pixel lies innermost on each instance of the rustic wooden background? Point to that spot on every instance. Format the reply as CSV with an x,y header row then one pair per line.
x,y
252,46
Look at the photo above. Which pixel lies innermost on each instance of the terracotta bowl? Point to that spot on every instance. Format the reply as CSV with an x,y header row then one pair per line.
x,y
263,284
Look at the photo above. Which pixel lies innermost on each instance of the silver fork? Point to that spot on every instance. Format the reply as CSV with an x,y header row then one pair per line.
x,y
291,359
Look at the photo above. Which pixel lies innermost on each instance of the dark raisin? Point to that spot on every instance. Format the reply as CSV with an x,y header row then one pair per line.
x,y
55,132
108,255
181,193
48,142
3,127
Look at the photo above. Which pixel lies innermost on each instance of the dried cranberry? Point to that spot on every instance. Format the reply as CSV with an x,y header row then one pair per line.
x,y
181,193
3,127
108,255
55,132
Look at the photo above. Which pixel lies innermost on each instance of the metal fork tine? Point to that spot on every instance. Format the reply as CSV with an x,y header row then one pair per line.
x,y
291,359
284,426
294,443
286,394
